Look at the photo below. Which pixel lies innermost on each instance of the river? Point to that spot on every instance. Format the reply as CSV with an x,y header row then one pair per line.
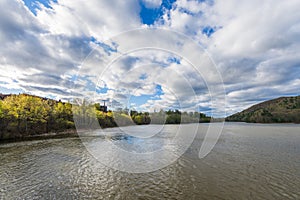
x,y
249,161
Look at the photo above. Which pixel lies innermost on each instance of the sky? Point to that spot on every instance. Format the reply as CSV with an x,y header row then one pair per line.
x,y
65,49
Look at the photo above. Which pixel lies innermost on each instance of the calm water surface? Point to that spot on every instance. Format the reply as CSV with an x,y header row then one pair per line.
x,y
248,162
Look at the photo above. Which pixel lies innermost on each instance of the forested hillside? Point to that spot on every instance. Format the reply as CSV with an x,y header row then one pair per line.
x,y
280,110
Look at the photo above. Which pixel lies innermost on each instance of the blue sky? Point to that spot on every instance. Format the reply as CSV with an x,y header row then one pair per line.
x,y
33,5
47,49
150,15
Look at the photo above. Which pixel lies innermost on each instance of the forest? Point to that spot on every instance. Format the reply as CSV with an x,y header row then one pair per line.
x,y
26,115
279,110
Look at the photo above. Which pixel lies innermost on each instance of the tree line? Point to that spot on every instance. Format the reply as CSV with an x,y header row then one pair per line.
x,y
25,115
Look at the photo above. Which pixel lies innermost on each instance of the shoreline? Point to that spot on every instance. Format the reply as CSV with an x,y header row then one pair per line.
x,y
73,133
70,133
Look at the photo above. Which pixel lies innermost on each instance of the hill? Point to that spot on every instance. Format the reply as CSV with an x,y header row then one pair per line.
x,y
280,110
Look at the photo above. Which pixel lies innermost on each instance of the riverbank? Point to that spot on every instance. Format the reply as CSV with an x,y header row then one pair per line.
x,y
51,135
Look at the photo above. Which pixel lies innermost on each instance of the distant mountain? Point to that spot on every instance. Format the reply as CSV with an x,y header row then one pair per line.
x,y
280,110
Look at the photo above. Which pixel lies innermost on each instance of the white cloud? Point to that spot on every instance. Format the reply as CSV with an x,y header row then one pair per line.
x,y
100,19
152,3
255,46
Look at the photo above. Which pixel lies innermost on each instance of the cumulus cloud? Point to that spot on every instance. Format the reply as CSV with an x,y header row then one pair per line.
x,y
254,44
100,19
142,72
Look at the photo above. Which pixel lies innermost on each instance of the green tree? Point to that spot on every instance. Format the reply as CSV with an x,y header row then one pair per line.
x,y
63,116
24,112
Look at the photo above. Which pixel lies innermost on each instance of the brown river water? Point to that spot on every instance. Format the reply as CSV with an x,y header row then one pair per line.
x,y
249,161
